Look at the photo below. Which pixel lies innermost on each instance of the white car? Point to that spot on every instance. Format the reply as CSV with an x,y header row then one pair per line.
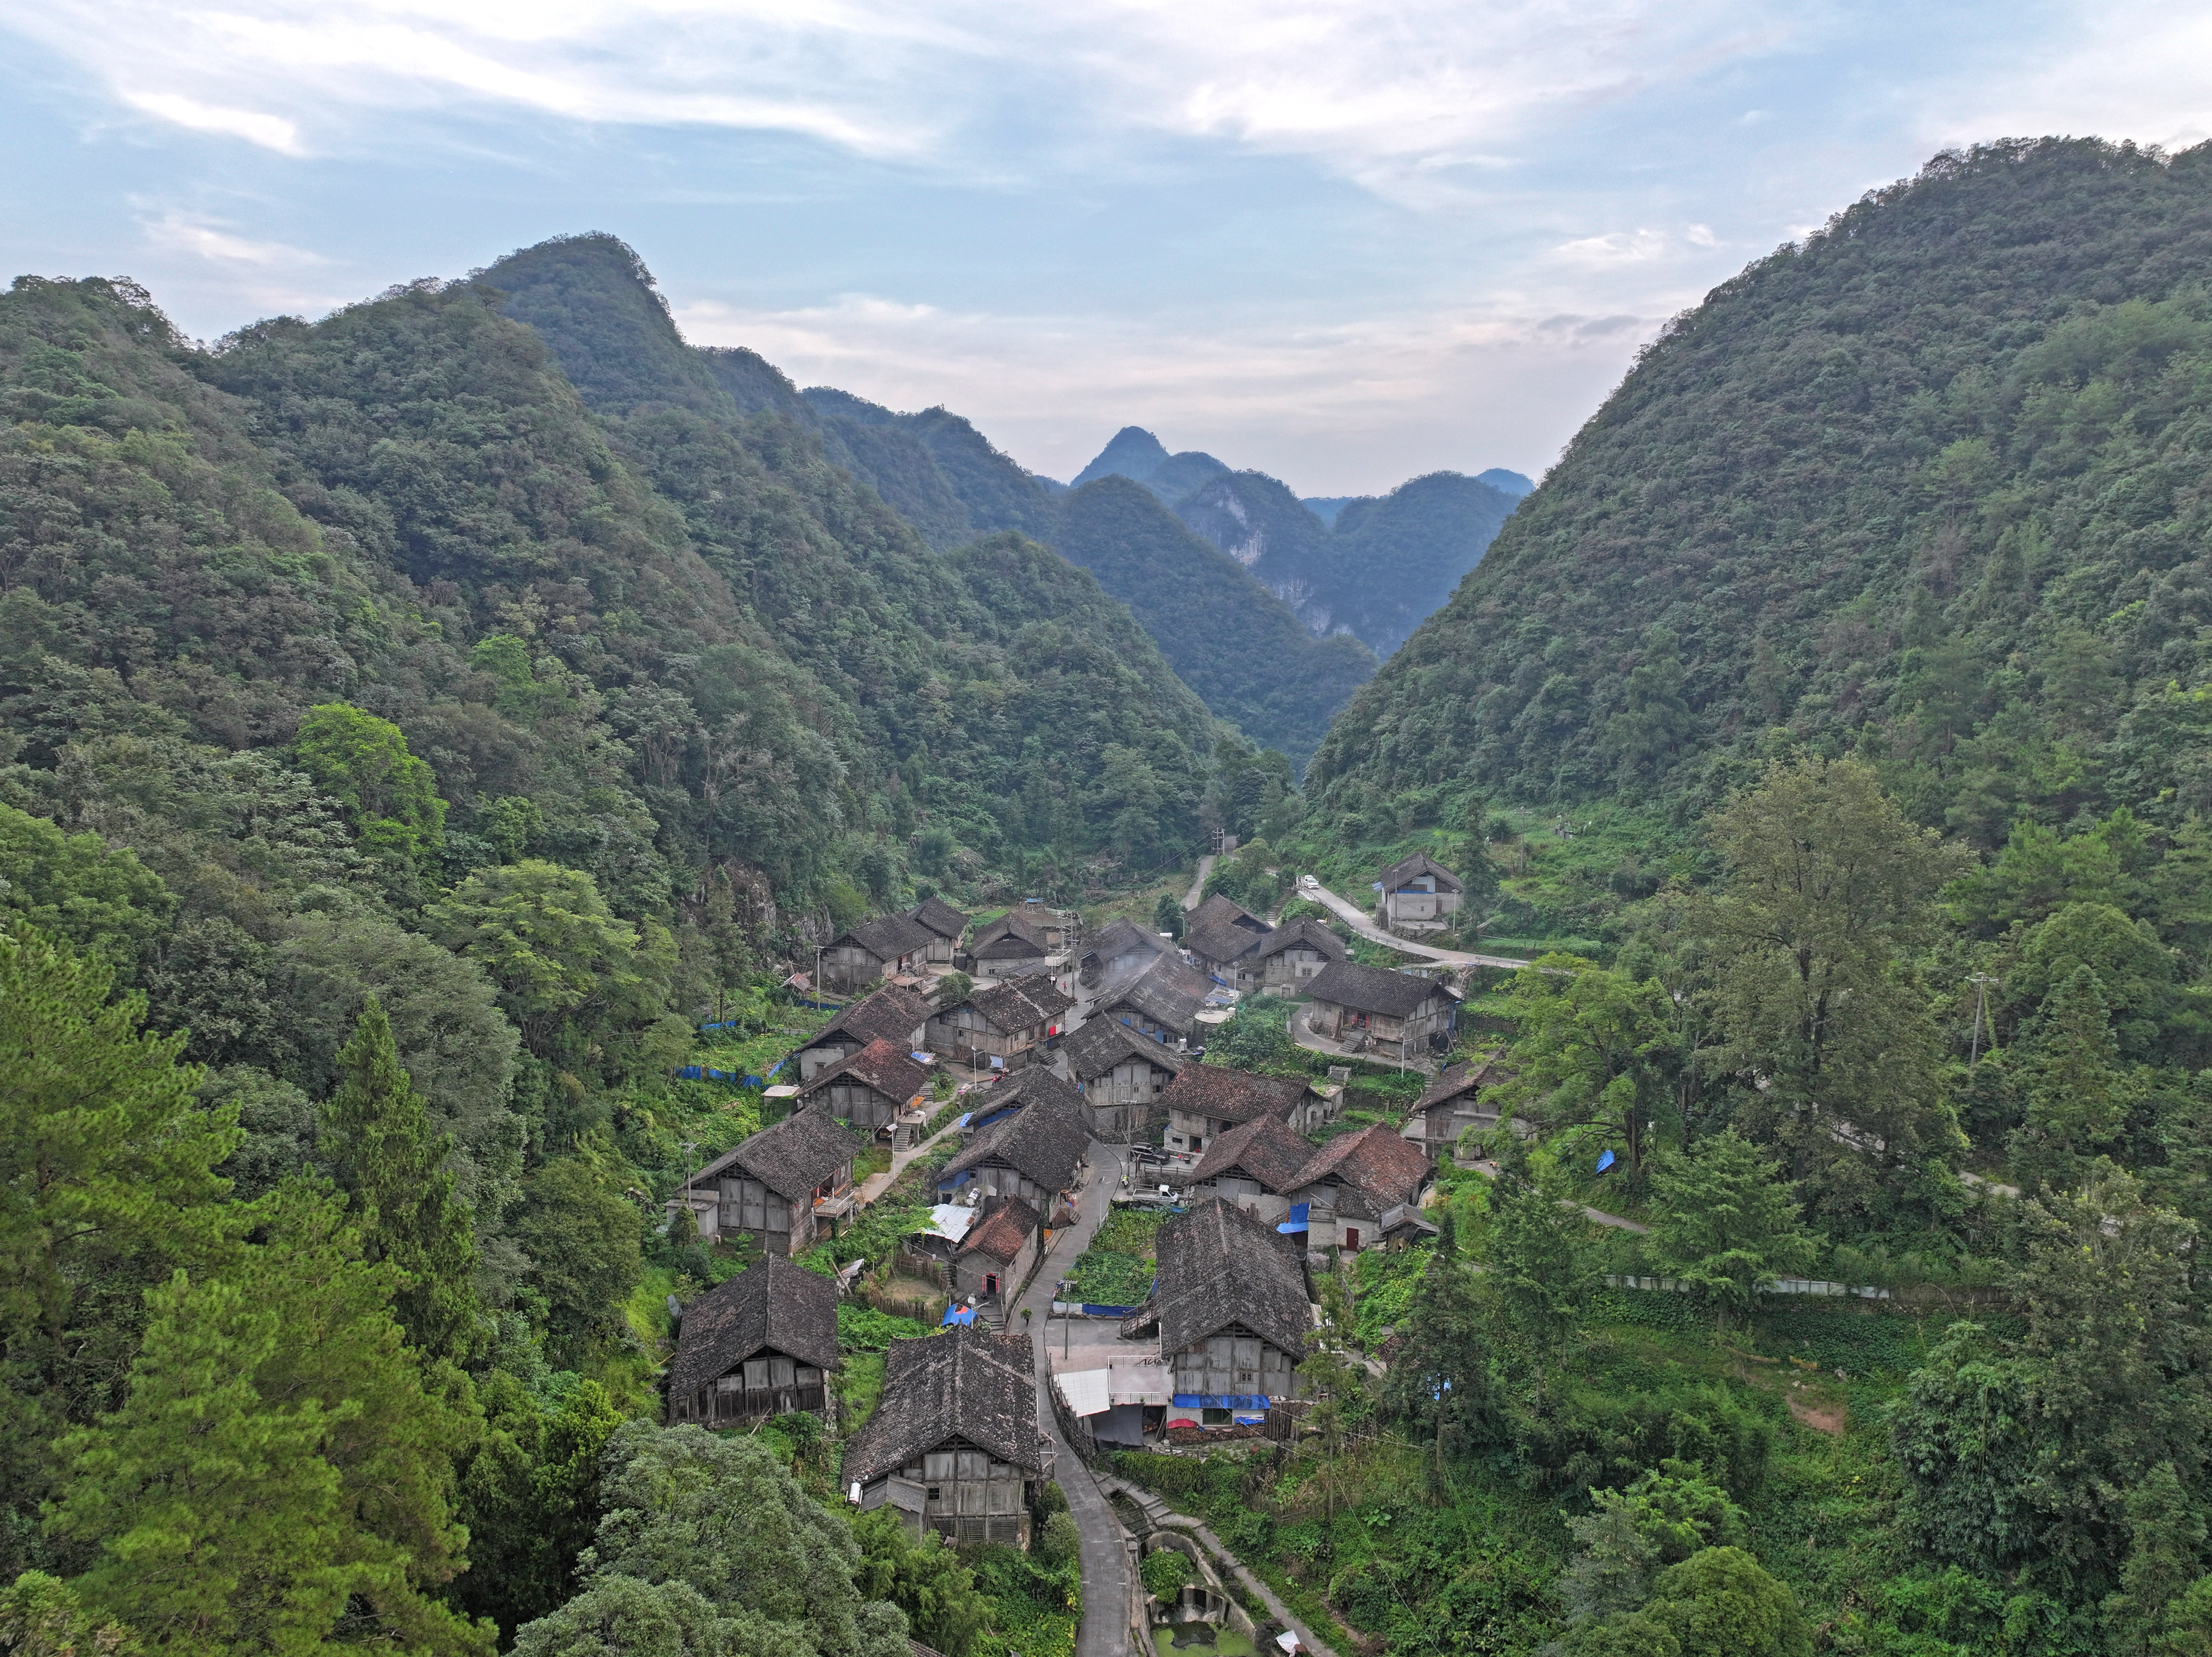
x,y
1309,883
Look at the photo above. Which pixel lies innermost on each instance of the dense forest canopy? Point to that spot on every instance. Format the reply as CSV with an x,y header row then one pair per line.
x,y
1925,486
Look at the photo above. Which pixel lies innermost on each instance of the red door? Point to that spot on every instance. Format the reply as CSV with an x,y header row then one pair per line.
x,y
1352,1236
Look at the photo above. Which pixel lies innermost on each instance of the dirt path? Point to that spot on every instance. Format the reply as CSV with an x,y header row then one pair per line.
x,y
1104,1631
1192,898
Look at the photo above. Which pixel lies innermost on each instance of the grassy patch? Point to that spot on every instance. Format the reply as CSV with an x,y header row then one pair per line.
x,y
1117,1269
1034,1610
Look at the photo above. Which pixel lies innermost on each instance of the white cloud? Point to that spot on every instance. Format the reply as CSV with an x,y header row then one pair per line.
x,y
185,233
1621,247
270,131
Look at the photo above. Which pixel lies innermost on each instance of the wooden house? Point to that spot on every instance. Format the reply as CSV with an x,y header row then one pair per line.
x,y
881,1090
1228,952
1292,956
1206,1101
1121,1074
894,1013
1218,911
1117,948
888,946
1454,1103
994,1260
1252,1166
1385,1012
1010,947
781,1185
761,1344
1037,1154
1050,924
1001,1025
1355,1182
944,924
954,1445
1160,999
1419,894
1232,1309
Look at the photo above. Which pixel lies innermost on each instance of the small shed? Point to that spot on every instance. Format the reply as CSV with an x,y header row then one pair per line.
x,y
762,1343
1372,1008
954,1444
1121,1074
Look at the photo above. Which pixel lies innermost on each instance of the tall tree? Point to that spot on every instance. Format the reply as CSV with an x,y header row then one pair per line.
x,y
1726,1221
277,1478
1594,1049
1440,1384
376,1136
1827,884
1534,1248
2078,1092
107,1183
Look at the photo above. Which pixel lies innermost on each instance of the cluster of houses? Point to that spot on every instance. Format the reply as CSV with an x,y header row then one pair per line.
x,y
1089,1041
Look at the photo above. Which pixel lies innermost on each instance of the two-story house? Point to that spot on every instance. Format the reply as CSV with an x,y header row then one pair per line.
x,y
1369,1009
887,946
881,1090
1228,952
1117,948
1454,1102
945,924
1159,998
1252,1166
1001,1025
1292,955
1419,894
1360,1186
1233,1310
1012,946
1031,1085
782,1185
1037,1154
1121,1074
762,1343
953,1446
1206,1101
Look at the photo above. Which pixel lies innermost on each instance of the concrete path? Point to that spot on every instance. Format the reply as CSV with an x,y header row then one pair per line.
x,y
1104,1631
1596,1216
1163,1515
876,1184
1361,922
1195,896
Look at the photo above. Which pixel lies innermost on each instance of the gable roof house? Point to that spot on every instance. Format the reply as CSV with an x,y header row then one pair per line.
x,y
889,946
1252,1166
1009,947
945,924
1232,1308
1290,956
1001,1025
1227,952
1419,894
894,1013
1159,998
762,1343
1037,1154
1206,1101
1117,947
953,1445
994,1260
1121,1075
1360,1186
1218,911
1034,1084
781,1185
881,1089
1454,1103
1371,1007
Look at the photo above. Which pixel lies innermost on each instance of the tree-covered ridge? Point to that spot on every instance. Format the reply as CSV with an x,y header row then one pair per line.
x,y
1925,485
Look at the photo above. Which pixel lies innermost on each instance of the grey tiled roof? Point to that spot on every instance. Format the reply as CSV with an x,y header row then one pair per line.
x,y
1466,1078
1373,989
1306,931
886,936
893,1013
885,1067
1232,1095
1217,910
1222,942
1167,990
1419,864
1008,935
1220,1265
1267,1149
1021,1002
1032,1085
1378,1160
793,1156
968,1382
1124,937
1046,1143
1102,1043
940,917
1000,1229
771,1302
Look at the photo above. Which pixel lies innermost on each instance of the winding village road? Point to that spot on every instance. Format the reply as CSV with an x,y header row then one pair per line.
x,y
1361,922
1104,1631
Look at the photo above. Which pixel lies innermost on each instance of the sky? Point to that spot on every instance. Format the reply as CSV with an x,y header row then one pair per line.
x,y
1343,242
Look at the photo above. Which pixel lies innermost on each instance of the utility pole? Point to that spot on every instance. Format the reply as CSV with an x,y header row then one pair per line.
x,y
690,1145
1981,981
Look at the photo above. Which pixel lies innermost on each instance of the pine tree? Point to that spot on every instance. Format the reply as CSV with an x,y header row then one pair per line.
x,y
278,1473
1726,1220
2078,1091
376,1135
1534,1248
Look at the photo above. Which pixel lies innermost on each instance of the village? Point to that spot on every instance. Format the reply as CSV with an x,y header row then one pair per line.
x,y
1064,1075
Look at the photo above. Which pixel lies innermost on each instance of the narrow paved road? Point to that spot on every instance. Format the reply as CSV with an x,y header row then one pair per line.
x,y
1192,898
1105,1629
1361,922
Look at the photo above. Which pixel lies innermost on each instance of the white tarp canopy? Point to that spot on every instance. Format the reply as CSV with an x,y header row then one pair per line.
x,y
1085,1392
1094,1391
950,1221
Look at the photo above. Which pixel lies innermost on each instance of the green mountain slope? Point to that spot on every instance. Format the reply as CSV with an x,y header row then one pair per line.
x,y
1229,639
1929,485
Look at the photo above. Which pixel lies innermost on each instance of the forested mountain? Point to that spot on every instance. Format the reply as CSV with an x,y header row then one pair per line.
x,y
1927,485
1375,569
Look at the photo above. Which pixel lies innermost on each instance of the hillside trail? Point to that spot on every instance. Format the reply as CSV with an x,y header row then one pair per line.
x,y
1196,894
1357,920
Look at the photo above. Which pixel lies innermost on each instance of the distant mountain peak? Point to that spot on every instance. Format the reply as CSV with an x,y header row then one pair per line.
x,y
1132,453
1508,483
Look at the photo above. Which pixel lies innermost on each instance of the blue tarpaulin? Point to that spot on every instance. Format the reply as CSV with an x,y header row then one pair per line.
x,y
1605,1162
1301,1214
959,1314
1220,1401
